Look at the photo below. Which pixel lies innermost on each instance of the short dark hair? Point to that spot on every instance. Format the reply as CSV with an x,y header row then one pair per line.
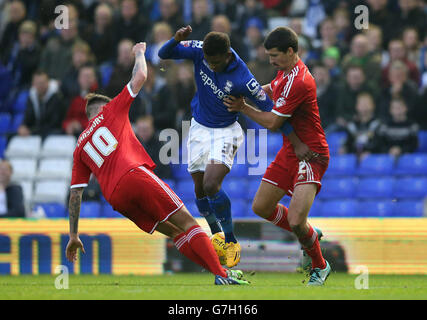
x,y
93,101
282,38
216,43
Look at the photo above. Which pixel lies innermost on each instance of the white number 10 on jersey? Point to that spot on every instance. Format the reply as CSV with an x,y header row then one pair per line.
x,y
103,146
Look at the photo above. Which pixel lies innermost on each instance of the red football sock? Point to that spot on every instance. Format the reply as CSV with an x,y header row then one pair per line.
x,y
311,246
280,217
183,246
200,244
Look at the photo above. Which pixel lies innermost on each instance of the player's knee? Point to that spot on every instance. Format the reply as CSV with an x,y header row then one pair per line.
x,y
211,188
260,210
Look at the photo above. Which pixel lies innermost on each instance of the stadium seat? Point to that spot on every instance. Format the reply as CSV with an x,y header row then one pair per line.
x,y
410,187
316,209
239,208
274,143
53,209
179,171
235,187
20,103
374,188
191,206
185,189
23,169
16,122
252,187
28,190
409,208
343,187
339,208
55,169
285,201
170,183
108,211
3,144
342,165
58,146
382,208
51,191
376,164
335,141
422,141
24,147
90,209
5,122
238,170
106,70
412,164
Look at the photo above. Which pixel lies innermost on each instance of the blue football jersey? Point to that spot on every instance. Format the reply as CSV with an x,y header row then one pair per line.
x,y
212,87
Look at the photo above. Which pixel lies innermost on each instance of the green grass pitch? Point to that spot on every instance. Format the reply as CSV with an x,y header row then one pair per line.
x,y
198,286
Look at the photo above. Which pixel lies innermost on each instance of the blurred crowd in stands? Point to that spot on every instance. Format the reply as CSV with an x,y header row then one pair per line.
x,y
371,83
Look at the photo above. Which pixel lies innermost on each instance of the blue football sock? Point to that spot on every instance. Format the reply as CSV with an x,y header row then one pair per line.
x,y
207,213
221,206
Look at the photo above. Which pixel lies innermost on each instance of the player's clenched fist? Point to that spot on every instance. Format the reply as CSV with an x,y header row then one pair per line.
x,y
139,47
183,33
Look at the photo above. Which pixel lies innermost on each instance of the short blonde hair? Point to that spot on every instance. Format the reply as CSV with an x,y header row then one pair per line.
x,y
93,100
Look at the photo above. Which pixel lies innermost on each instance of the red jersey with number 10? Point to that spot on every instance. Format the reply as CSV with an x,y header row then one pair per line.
x,y
294,96
108,147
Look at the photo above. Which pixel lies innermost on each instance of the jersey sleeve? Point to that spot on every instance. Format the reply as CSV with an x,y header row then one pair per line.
x,y
122,102
256,94
190,50
294,93
80,174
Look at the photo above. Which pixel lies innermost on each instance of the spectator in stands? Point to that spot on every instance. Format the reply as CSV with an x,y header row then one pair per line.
x,y
221,23
100,35
329,38
251,9
81,55
345,30
399,134
146,134
184,89
130,25
331,58
227,8
326,97
411,15
45,109
24,56
11,195
374,35
296,24
201,22
361,138
56,57
355,83
397,51
161,33
76,119
420,111
412,44
254,37
17,14
359,54
170,13
261,68
156,101
381,16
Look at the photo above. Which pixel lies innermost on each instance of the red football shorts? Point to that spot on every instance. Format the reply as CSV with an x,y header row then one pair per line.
x,y
145,199
290,172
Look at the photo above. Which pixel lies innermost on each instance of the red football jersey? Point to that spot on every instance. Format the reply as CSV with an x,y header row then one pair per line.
x,y
294,96
108,147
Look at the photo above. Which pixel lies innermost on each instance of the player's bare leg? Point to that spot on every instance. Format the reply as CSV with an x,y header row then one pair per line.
x,y
301,202
202,203
220,203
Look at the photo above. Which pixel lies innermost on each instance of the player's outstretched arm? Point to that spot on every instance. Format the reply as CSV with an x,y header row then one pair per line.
x,y
139,73
74,209
167,50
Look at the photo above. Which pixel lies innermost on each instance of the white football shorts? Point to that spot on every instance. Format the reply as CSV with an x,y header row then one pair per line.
x,y
219,144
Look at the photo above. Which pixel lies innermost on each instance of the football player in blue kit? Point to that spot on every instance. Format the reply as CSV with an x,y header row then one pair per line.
x,y
215,135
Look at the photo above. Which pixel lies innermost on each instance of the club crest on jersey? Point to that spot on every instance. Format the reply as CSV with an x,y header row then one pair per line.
x,y
228,86
280,102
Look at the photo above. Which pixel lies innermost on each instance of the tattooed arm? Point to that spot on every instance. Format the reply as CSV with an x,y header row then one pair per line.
x,y
139,73
74,208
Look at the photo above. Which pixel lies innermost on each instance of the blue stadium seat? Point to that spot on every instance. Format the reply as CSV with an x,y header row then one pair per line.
x,y
5,121
286,200
5,82
410,187
238,170
252,188
412,164
342,165
409,208
316,208
3,145
90,209
20,103
235,187
372,188
107,211
179,171
16,122
274,143
335,141
382,208
239,208
422,141
339,208
170,183
343,187
376,164
185,189
106,70
53,209
191,206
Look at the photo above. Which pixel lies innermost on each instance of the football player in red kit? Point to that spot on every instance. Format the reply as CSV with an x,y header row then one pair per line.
x,y
109,149
294,94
